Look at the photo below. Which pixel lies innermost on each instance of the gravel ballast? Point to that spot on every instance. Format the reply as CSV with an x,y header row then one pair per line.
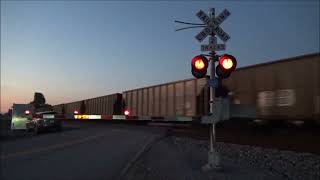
x,y
182,158
288,164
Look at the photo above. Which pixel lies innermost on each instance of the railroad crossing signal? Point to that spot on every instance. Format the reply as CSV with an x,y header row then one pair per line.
x,y
227,64
213,25
213,46
199,65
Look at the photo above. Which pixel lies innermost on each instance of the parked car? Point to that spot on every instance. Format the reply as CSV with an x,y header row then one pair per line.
x,y
44,121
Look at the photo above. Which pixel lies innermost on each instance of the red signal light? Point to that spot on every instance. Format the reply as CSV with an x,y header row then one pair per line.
x,y
127,112
227,64
199,65
199,62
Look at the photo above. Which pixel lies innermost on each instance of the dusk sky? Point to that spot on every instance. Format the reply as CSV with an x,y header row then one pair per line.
x,y
81,49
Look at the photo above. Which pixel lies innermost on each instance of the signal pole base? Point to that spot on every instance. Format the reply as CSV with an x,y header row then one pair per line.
x,y
213,162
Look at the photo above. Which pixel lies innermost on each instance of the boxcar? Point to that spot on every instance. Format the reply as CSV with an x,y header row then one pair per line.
x,y
286,89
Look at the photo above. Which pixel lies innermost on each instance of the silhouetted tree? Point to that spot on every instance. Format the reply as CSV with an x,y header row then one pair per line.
x,y
38,100
39,103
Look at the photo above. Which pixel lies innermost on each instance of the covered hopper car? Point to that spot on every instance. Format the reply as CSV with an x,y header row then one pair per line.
x,y
287,89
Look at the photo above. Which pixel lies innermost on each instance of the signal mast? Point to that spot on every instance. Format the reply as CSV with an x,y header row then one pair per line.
x,y
199,64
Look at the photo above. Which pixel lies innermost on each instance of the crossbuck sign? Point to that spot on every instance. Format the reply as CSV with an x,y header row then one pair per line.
x,y
212,27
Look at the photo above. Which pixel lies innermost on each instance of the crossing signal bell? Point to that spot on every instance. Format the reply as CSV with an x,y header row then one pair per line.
x,y
227,64
199,65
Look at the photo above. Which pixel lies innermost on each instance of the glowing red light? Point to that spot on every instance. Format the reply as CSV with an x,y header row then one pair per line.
x,y
76,112
127,112
27,112
199,62
228,62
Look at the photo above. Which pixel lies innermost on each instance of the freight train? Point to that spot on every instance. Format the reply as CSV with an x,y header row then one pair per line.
x,y
287,89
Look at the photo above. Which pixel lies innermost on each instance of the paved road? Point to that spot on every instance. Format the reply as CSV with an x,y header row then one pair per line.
x,y
81,151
